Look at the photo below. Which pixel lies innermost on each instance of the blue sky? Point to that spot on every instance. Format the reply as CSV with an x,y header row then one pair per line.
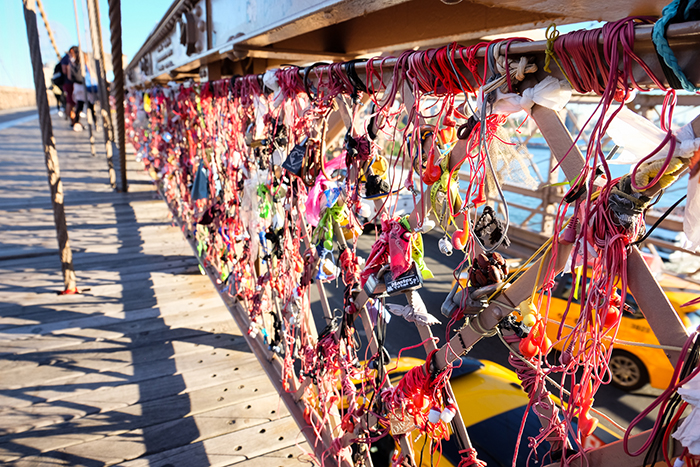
x,y
139,17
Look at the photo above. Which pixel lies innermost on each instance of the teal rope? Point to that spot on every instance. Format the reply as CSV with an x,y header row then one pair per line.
x,y
658,36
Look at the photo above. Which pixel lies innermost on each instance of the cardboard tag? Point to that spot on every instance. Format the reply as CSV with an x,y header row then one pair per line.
x,y
401,427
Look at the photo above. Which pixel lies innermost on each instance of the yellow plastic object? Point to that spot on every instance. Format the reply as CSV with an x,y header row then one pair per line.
x,y
146,103
634,328
649,170
380,166
528,312
529,320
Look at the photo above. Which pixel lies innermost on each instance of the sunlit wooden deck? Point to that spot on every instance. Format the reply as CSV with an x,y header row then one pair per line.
x,y
146,367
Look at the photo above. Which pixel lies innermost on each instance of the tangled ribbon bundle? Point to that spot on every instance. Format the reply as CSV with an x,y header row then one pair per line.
x,y
275,205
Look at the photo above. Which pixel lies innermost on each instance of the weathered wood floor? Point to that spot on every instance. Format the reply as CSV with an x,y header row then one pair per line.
x,y
146,367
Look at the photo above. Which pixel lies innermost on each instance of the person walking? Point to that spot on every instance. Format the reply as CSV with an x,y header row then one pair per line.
x,y
57,81
66,62
75,74
84,94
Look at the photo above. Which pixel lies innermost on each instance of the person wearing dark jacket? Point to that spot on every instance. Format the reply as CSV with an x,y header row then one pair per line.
x,y
75,72
66,63
57,81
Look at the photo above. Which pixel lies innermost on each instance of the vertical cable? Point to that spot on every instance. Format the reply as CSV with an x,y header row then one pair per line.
x,y
48,29
50,155
105,110
115,29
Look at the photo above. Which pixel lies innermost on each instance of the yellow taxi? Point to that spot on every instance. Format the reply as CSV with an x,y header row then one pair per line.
x,y
492,405
631,366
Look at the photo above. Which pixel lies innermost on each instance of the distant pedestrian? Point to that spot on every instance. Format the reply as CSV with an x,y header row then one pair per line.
x,y
75,73
66,63
57,81
84,93
90,88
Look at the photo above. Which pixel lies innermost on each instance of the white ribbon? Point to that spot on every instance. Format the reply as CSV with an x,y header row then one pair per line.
x,y
691,215
689,432
414,312
270,81
550,93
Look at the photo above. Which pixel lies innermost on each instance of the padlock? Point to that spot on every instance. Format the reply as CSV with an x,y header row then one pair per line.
x,y
329,269
449,306
294,160
475,301
375,285
409,280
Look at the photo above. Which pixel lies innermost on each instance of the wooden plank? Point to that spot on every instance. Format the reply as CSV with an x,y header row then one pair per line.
x,y
179,264
122,260
177,426
144,415
129,319
100,287
179,432
180,361
288,457
106,390
104,356
47,343
124,246
224,450
92,305
61,407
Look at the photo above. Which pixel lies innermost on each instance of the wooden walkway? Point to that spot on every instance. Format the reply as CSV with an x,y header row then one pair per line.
x,y
146,367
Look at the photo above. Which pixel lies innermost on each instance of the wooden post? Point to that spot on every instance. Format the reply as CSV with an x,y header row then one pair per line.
x,y
105,110
549,199
47,139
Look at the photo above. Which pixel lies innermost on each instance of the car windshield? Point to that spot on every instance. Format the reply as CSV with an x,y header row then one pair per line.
x,y
563,286
694,318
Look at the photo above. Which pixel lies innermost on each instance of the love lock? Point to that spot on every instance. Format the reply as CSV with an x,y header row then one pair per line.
x,y
295,159
375,284
474,303
409,280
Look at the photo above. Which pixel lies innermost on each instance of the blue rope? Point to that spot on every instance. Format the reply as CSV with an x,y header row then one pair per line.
x,y
658,36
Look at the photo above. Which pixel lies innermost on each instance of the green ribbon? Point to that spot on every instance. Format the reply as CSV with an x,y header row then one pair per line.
x,y
266,206
417,251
